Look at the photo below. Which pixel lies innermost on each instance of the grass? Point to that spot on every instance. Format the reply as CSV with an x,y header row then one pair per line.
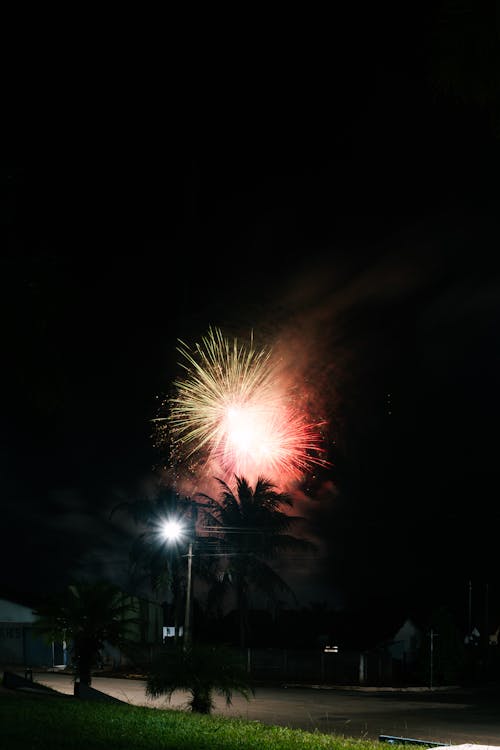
x,y
48,723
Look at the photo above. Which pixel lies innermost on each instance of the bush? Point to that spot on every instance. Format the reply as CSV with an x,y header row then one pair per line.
x,y
202,670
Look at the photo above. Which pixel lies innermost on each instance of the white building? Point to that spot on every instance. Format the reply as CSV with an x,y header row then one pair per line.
x,y
19,645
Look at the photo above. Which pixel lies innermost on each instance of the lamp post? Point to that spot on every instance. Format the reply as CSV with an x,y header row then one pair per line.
x,y
187,614
173,531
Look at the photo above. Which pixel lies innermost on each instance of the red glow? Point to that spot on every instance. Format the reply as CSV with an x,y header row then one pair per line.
x,y
238,415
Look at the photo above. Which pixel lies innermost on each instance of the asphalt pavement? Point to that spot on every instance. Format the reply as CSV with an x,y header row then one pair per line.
x,y
454,717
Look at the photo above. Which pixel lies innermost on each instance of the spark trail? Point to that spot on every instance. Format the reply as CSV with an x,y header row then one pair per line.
x,y
233,408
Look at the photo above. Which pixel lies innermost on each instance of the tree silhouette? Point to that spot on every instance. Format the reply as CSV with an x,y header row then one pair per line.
x,y
88,615
253,528
201,670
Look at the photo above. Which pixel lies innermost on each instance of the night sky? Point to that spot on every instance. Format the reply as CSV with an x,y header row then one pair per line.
x,y
341,195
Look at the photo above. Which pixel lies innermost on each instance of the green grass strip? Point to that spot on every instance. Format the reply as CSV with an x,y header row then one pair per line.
x,y
39,723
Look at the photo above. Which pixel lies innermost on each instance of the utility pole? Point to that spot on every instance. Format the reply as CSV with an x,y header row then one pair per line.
x,y
470,609
187,616
486,614
432,636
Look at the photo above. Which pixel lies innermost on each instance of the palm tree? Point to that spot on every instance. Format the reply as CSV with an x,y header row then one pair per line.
x,y
201,670
88,615
255,522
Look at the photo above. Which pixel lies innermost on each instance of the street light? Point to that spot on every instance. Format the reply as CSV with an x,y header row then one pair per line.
x,y
172,531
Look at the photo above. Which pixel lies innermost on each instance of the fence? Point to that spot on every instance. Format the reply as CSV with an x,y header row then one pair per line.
x,y
298,666
25,646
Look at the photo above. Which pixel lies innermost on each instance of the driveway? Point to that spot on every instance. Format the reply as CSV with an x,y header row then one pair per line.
x,y
456,717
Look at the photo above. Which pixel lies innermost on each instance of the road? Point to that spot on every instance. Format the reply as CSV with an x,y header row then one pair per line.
x,y
449,718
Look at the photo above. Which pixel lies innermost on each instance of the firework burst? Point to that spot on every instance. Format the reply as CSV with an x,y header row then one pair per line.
x,y
233,409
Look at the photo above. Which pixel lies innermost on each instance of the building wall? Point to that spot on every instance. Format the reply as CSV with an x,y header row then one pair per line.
x,y
15,624
11,642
